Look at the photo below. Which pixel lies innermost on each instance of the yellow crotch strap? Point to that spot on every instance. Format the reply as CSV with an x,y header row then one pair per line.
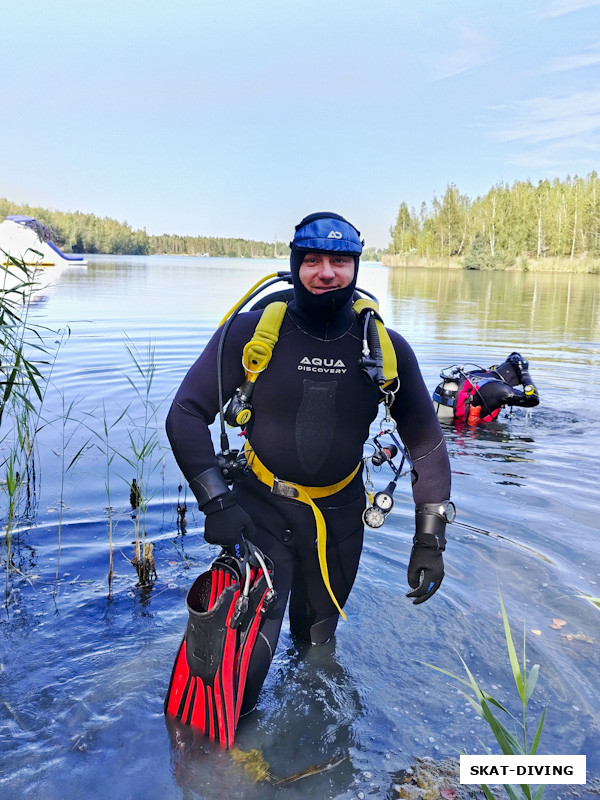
x,y
258,351
304,494
390,364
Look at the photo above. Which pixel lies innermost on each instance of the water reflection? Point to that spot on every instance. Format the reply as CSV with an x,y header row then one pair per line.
x,y
492,442
484,303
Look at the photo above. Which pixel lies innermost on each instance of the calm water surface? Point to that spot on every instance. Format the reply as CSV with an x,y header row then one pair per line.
x,y
82,676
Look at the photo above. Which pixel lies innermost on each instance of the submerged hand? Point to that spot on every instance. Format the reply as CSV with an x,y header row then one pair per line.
x,y
425,572
227,523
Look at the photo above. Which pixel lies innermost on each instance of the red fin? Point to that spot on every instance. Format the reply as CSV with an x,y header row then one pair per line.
x,y
213,590
211,716
188,701
179,680
243,657
198,718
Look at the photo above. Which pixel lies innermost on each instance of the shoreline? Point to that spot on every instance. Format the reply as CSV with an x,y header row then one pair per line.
x,y
589,266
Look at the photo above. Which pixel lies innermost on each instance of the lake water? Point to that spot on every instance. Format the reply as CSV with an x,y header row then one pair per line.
x,y
83,675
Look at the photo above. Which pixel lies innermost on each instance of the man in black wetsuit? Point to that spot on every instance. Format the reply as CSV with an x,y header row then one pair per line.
x,y
478,395
312,408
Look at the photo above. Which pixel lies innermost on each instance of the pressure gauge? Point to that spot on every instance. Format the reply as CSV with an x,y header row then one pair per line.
x,y
383,501
450,511
373,517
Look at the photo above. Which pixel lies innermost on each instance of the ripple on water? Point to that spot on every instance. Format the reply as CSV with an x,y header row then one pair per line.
x,y
83,676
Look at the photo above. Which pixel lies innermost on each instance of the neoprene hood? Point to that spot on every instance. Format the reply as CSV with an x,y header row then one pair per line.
x,y
323,232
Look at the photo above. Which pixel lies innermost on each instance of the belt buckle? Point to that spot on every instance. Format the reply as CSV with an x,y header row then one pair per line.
x,y
283,489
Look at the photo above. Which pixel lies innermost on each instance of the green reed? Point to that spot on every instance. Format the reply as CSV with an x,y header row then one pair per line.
x,y
26,362
27,358
595,601
509,742
67,461
18,373
109,452
18,474
144,445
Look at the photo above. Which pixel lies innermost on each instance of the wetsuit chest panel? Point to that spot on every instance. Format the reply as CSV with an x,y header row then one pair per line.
x,y
313,407
315,423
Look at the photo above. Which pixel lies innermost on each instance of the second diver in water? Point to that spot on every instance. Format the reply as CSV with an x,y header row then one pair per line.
x,y
478,395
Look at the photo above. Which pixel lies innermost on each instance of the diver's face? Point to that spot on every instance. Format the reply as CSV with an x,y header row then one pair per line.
x,y
321,272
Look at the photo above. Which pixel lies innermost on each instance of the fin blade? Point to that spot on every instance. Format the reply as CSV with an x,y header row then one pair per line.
x,y
245,653
210,712
189,700
180,678
198,716
211,667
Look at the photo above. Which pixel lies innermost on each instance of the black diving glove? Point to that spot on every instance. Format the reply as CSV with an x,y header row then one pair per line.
x,y
227,523
530,391
520,365
426,565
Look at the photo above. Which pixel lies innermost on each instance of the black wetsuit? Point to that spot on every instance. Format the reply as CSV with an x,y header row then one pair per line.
x,y
312,408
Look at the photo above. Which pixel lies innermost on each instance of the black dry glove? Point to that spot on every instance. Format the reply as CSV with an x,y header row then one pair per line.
x,y
521,367
227,523
519,363
426,565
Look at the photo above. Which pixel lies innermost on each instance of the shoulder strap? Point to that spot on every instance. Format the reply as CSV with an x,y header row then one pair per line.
x,y
258,351
390,365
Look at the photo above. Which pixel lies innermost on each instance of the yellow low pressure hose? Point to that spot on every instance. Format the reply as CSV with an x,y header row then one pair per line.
x,y
247,295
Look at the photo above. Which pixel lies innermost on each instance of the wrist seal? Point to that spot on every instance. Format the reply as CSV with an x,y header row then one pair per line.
x,y
430,524
209,485
219,503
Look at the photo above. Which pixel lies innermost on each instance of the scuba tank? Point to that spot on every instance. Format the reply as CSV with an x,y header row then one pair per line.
x,y
446,393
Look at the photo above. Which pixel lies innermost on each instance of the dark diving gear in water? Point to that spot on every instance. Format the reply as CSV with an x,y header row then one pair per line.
x,y
226,605
476,394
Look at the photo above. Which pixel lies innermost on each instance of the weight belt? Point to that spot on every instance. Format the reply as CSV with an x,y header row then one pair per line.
x,y
306,495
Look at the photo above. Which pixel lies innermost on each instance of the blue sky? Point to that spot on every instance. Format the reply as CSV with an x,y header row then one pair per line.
x,y
237,118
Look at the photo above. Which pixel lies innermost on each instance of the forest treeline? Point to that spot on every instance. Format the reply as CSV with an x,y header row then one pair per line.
x,y
75,232
559,218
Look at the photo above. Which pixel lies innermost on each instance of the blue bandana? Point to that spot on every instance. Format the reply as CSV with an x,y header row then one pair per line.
x,y
327,231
